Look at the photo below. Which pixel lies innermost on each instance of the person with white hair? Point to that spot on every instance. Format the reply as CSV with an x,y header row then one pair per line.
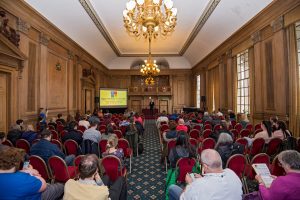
x,y
181,126
214,183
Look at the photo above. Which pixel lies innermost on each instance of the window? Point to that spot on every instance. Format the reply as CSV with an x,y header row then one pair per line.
x,y
243,91
198,92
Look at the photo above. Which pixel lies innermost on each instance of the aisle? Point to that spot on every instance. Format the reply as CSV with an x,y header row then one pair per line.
x,y
147,180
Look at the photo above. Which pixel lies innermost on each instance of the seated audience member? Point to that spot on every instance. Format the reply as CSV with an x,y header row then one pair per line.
x,y
284,187
26,183
20,124
100,113
77,116
70,119
124,122
162,118
45,149
219,113
215,183
172,133
91,187
266,132
244,120
274,123
206,117
224,129
183,149
181,126
226,148
92,133
60,119
281,131
132,135
52,122
14,134
138,118
174,116
108,133
29,134
83,122
111,148
72,133
231,115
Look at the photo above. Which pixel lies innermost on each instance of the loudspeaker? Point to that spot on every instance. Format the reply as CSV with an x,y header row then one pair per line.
x,y
203,98
97,99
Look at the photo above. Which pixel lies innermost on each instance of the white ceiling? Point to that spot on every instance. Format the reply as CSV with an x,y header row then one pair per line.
x,y
70,17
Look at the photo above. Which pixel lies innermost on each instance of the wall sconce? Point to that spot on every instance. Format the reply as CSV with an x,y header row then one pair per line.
x,y
58,66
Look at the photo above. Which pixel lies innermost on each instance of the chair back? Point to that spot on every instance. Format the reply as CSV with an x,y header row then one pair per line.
x,y
185,165
208,143
194,142
257,146
207,127
58,143
39,164
71,147
102,146
59,169
164,127
197,127
170,145
259,158
235,134
111,165
233,123
207,122
60,128
257,126
217,127
194,134
82,128
274,146
277,169
237,163
102,128
245,133
123,129
63,133
8,143
77,160
249,127
124,144
257,131
54,134
23,144
243,142
206,133
238,127
118,133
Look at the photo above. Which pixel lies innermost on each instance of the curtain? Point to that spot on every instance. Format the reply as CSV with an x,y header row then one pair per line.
x,y
213,88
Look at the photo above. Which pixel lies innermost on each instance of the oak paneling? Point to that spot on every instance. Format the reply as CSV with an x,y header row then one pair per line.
x,y
31,86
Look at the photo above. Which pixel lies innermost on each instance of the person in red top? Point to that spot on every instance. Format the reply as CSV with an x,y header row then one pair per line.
x,y
181,126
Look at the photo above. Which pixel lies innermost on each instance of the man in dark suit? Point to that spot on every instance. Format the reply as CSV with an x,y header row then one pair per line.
x,y
151,104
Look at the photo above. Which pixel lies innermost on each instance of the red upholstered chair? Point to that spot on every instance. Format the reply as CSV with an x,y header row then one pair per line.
x,y
194,142
39,164
118,133
257,126
197,127
233,123
8,143
235,134
123,129
63,133
102,128
102,146
60,171
249,127
185,165
259,158
164,127
207,143
257,147
207,127
71,147
77,160
58,143
82,128
207,122
23,144
59,123
245,133
111,165
170,145
238,127
194,134
276,168
128,152
206,133
274,146
54,134
60,128
257,131
243,142
217,127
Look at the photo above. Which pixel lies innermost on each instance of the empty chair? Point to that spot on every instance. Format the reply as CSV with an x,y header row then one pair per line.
x,y
118,133
128,152
8,143
206,133
245,133
197,127
217,127
54,134
113,167
257,147
185,165
23,144
249,127
194,134
60,171
207,143
102,146
39,164
71,147
274,146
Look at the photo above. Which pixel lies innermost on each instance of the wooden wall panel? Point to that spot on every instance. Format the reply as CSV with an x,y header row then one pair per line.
x,y
31,85
3,102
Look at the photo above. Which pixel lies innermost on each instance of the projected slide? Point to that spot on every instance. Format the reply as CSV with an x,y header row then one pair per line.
x,y
113,98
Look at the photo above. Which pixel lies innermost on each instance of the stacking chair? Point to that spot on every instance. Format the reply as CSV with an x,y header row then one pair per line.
x,y
238,127
235,134
71,147
206,133
276,168
77,160
257,126
60,128
194,142
207,143
55,135
39,164
23,144
256,148
8,143
274,146
118,133
207,127
60,171
243,142
249,127
113,167
259,158
128,152
194,133
58,143
257,131
82,128
170,145
245,133
185,165
102,146
197,127
217,127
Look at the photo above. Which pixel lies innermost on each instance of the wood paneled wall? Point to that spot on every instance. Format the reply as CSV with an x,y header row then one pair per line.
x,y
271,48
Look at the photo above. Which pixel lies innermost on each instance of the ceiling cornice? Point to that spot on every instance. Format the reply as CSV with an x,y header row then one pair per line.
x,y
98,23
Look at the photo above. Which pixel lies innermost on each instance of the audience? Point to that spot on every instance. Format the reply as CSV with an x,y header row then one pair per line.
x,y
91,187
30,135
20,124
108,133
45,149
215,183
43,115
26,183
72,133
281,131
163,118
183,149
138,118
14,134
124,122
172,133
266,132
52,122
244,120
60,119
131,135
83,122
92,133
181,126
284,187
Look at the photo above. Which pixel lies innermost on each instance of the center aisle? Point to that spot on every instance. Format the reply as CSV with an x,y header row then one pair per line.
x,y
147,179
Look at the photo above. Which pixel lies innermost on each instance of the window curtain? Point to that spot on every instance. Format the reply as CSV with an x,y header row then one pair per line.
x,y
294,110
213,89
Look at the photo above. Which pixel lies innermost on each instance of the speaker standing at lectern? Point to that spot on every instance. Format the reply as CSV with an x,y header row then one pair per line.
x,y
151,104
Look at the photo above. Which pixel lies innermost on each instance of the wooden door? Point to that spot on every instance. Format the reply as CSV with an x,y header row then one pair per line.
x,y
88,101
3,102
163,105
136,105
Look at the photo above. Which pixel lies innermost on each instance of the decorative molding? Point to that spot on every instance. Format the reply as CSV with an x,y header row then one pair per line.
x,y
277,24
10,33
22,26
229,53
44,39
203,19
256,37
70,55
98,23
220,60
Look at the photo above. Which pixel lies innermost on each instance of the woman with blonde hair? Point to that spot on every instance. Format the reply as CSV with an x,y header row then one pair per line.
x,y
111,148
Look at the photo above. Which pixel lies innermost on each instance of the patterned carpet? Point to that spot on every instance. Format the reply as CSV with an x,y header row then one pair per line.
x,y
147,179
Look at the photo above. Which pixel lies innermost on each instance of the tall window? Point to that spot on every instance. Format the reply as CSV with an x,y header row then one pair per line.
x,y
198,92
243,91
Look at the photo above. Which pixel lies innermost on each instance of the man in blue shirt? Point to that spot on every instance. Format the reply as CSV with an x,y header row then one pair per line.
x,y
45,149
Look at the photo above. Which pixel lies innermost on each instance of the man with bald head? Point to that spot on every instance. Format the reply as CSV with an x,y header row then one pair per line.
x,y
214,184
